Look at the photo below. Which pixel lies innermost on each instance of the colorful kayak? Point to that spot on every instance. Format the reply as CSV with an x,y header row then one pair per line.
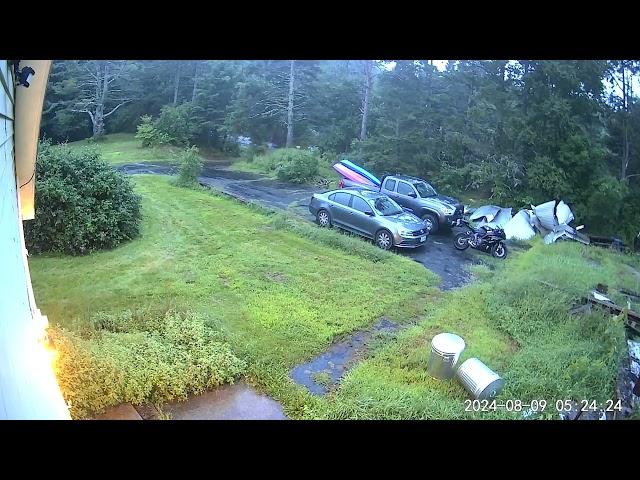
x,y
351,175
361,171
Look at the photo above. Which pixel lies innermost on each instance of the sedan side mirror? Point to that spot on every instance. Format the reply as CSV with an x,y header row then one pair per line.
x,y
369,213
413,195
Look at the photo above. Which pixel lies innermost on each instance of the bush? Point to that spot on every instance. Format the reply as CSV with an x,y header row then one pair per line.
x,y
291,164
190,167
149,135
82,204
181,124
140,356
252,151
297,166
231,147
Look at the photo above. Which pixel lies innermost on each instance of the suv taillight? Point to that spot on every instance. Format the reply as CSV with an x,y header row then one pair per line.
x,y
341,184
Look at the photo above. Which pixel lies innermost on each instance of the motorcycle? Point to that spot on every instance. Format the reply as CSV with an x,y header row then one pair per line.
x,y
491,242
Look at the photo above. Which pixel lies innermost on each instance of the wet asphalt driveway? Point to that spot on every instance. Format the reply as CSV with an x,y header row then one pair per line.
x,y
438,255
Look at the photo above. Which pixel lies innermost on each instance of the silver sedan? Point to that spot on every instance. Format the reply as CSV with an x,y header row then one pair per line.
x,y
369,214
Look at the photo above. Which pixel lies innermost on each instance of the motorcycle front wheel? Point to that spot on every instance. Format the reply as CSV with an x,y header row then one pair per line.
x,y
499,250
461,242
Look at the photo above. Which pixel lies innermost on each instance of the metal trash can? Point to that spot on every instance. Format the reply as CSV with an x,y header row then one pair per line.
x,y
445,351
479,380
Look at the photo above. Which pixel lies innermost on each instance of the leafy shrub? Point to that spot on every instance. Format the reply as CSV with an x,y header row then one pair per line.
x,y
140,356
252,151
190,167
291,164
604,205
82,204
149,135
231,147
182,123
298,168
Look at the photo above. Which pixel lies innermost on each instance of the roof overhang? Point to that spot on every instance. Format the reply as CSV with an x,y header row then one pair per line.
x,y
27,115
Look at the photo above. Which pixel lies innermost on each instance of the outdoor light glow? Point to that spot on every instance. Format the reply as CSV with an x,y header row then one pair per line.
x,y
40,357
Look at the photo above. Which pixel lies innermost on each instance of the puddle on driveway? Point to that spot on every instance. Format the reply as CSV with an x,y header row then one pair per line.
x,y
228,402
321,373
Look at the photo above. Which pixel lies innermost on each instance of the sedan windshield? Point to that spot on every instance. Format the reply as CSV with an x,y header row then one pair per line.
x,y
425,190
385,206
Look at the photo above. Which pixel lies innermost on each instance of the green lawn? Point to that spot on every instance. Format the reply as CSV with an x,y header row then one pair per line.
x,y
517,326
119,148
280,296
277,297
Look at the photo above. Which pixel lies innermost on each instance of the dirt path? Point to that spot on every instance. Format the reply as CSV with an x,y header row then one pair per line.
x,y
438,255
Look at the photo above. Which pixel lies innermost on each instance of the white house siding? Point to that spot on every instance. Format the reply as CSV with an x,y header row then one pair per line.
x,y
28,388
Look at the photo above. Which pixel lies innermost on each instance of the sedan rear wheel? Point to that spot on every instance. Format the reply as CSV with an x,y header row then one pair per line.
x,y
323,218
384,240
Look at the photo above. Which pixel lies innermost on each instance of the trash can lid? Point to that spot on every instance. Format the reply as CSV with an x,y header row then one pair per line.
x,y
448,343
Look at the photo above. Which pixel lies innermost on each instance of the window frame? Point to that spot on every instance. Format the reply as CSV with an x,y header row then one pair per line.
x,y
410,187
342,204
395,184
353,200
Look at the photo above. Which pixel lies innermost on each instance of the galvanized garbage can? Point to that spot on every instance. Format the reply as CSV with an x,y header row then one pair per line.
x,y
445,351
479,380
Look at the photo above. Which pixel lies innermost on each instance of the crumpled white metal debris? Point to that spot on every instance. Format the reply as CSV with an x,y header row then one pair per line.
x,y
546,214
634,363
566,232
520,226
550,219
486,213
599,296
501,218
564,213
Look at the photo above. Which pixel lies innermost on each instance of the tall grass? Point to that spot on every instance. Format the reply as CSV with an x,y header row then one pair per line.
x,y
518,326
353,244
138,356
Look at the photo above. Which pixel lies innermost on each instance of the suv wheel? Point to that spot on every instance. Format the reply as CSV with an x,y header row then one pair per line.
x,y
432,221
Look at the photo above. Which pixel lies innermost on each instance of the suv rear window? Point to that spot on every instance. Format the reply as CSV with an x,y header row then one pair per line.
x,y
390,185
342,198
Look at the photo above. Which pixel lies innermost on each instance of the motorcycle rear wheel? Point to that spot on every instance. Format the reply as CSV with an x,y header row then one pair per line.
x,y
461,241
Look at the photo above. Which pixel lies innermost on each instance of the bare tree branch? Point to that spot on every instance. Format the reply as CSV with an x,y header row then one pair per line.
x,y
116,108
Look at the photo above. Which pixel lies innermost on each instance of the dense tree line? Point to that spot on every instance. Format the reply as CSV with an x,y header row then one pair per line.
x,y
523,131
